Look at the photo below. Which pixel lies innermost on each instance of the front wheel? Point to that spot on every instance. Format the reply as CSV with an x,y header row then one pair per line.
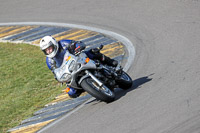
x,y
102,93
124,81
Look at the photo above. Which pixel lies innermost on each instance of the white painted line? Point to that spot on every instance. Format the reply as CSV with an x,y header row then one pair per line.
x,y
65,116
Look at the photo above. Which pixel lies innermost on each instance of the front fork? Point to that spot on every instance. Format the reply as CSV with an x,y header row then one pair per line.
x,y
94,78
89,74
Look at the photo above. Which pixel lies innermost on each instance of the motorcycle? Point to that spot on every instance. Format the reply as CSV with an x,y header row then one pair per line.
x,y
99,80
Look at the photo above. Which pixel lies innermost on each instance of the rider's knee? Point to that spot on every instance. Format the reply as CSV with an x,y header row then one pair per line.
x,y
73,93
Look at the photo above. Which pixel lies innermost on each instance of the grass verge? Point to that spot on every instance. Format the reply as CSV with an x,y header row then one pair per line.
x,y
26,84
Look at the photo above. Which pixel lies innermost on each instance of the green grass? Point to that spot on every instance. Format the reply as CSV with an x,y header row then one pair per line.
x,y
26,84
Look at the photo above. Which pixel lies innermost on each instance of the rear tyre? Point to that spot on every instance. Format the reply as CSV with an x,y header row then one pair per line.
x,y
101,93
124,81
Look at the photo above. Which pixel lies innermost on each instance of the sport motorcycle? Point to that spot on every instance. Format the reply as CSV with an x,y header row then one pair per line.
x,y
98,79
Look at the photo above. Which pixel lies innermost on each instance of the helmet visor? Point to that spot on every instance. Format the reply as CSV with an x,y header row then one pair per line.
x,y
49,50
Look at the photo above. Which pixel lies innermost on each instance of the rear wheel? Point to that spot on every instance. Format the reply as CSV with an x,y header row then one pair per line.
x,y
124,81
102,93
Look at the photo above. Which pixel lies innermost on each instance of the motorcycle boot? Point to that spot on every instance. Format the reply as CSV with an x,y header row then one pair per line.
x,y
104,59
109,61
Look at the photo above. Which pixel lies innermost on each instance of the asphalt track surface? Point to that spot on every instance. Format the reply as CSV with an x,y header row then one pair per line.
x,y
166,92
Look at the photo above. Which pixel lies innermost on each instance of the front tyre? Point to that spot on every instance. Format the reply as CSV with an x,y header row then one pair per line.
x,y
124,81
101,93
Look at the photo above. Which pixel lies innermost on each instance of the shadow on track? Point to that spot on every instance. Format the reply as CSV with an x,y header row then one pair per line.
x,y
136,84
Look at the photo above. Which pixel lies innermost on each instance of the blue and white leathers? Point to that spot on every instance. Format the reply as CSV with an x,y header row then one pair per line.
x,y
57,60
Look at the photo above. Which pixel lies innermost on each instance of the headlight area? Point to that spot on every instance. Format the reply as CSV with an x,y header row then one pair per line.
x,y
66,77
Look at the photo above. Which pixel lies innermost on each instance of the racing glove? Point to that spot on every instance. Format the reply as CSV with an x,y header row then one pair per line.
x,y
79,49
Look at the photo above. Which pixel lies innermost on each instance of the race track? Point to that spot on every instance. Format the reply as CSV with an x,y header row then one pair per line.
x,y
166,92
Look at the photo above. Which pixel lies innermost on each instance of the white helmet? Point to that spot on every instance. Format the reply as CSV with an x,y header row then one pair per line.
x,y
47,42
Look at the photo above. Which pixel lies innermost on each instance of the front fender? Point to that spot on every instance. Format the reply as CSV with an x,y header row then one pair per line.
x,y
82,78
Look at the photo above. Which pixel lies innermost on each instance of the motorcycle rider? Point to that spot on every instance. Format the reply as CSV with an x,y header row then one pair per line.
x,y
55,52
